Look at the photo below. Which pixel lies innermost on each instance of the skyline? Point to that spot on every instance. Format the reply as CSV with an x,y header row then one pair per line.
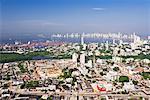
x,y
46,16
75,49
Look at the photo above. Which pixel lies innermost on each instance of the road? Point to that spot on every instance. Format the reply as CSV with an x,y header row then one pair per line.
x,y
91,94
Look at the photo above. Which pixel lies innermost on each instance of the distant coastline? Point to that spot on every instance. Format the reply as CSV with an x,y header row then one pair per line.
x,y
24,38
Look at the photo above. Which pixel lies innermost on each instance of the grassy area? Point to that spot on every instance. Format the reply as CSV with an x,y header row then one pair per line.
x,y
141,56
105,57
146,75
11,57
123,79
101,57
30,84
105,51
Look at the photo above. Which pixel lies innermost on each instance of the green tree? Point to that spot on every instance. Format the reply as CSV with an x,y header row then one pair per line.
x,y
146,75
135,82
22,68
7,77
31,84
123,79
116,68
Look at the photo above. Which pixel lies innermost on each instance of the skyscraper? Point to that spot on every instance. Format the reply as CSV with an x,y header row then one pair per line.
x,y
120,42
114,41
82,39
82,59
106,45
94,59
74,57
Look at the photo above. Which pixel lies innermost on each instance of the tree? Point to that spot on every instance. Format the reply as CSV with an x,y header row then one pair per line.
x,y
22,68
49,98
93,81
31,84
22,86
116,68
123,79
61,82
123,60
105,69
101,73
135,82
146,75
7,77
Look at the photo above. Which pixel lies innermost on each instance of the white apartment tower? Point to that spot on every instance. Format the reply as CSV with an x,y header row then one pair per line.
x,y
106,45
120,42
82,59
74,57
114,41
82,39
136,39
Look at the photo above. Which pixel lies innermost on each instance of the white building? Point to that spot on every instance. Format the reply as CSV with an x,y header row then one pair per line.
x,y
128,86
116,59
50,87
84,46
82,59
106,45
89,63
148,37
120,42
82,39
136,38
133,46
83,70
75,73
115,51
114,41
111,75
74,57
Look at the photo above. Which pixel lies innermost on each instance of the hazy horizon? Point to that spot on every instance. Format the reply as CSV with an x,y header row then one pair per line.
x,y
47,16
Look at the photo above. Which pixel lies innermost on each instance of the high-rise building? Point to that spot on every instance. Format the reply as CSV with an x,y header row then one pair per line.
x,y
106,45
89,63
136,39
148,37
114,41
120,42
115,51
29,42
17,42
82,59
84,46
82,39
133,46
74,57
94,59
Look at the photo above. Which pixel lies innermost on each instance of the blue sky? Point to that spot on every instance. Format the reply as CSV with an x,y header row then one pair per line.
x,y
47,16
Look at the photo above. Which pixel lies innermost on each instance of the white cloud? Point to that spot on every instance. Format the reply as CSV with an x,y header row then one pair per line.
x,y
98,9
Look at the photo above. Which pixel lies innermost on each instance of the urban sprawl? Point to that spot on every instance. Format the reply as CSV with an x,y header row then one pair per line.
x,y
76,71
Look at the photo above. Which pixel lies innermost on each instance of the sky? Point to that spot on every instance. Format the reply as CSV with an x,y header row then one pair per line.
x,y
48,16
